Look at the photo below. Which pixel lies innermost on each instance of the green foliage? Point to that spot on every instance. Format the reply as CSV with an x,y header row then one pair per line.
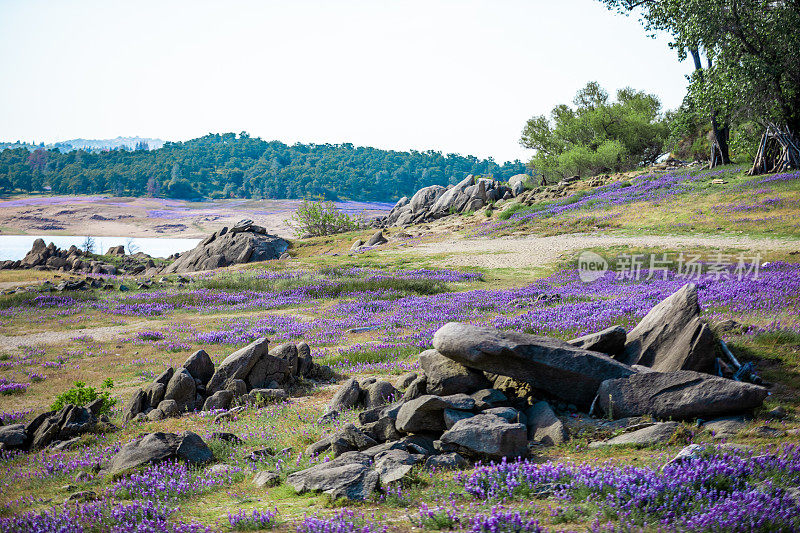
x,y
750,49
317,218
744,141
230,166
80,394
597,135
688,133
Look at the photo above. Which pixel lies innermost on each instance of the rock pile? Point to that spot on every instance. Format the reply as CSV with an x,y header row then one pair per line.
x,y
487,394
57,429
434,202
243,243
50,257
254,374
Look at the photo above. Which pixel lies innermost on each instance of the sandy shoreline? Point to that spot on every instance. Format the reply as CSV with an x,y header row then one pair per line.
x,y
148,217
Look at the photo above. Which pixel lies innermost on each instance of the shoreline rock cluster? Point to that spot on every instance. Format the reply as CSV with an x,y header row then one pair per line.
x,y
253,374
50,257
485,394
434,202
245,242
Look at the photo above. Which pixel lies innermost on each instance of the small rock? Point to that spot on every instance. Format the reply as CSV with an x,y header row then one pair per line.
x,y
266,479
227,437
446,461
655,434
767,432
84,496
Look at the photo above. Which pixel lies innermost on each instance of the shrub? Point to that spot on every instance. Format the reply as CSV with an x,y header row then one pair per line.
x,y
317,218
80,394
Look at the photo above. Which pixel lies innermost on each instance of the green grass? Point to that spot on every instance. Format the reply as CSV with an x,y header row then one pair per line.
x,y
369,355
329,282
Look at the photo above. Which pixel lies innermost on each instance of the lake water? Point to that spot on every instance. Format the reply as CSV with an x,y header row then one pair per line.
x,y
16,246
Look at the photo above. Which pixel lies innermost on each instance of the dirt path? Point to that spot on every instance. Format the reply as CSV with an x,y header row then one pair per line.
x,y
534,251
102,333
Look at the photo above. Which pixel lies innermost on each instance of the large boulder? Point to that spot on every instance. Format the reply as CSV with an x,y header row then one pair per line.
x,y
610,341
672,336
453,200
565,371
487,436
445,376
393,465
348,476
181,388
376,240
416,388
157,447
305,362
346,397
238,364
12,436
137,404
288,352
544,426
422,414
378,394
678,395
200,366
245,243
270,368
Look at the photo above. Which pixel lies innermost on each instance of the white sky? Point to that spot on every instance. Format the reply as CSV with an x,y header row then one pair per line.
x,y
455,76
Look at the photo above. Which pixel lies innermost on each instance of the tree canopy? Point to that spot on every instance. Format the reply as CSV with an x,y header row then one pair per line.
x,y
597,135
752,48
239,166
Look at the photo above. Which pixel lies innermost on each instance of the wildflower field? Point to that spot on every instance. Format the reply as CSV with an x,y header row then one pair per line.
x,y
372,313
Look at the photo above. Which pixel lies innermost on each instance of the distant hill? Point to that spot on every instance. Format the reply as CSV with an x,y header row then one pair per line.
x,y
228,165
90,145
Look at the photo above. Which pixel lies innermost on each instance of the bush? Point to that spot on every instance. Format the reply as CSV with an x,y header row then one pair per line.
x,y
317,218
80,394
597,135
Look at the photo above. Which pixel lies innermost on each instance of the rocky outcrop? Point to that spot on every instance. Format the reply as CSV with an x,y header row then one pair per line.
x,y
526,391
565,371
253,374
49,257
672,336
243,243
678,395
434,202
52,428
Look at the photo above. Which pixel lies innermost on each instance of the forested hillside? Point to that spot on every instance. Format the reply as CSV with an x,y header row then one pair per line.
x,y
239,166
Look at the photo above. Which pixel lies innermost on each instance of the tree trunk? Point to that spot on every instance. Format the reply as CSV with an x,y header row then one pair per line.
x,y
719,144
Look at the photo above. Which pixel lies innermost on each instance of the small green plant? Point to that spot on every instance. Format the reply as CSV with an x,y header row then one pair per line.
x,y
80,394
436,519
317,218
488,212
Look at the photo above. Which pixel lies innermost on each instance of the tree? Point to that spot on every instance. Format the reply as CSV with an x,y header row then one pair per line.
x,y
753,71
597,135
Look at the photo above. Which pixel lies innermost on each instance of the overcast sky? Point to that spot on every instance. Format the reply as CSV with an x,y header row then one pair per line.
x,y
455,76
